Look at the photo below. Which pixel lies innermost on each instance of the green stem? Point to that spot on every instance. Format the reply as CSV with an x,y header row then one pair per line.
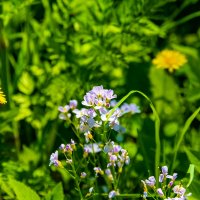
x,y
120,195
75,130
118,178
71,165
153,196
187,18
170,24
69,173
185,128
76,180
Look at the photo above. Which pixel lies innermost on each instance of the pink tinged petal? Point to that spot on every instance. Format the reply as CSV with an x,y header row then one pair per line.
x,y
179,190
112,194
64,109
175,175
91,113
88,100
92,148
109,94
116,127
73,104
62,147
54,159
91,122
113,103
171,183
134,108
165,170
98,90
108,172
144,195
62,116
103,111
116,149
160,192
78,113
83,175
68,148
125,108
151,181
172,177
161,177
113,158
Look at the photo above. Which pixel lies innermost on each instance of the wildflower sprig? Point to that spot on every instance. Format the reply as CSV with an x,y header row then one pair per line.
x,y
167,189
98,103
95,158
101,157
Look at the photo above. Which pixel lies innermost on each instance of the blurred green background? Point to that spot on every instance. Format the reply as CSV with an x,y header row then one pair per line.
x,y
52,51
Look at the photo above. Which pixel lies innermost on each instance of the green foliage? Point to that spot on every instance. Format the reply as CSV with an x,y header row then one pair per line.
x,y
56,193
191,172
55,51
22,191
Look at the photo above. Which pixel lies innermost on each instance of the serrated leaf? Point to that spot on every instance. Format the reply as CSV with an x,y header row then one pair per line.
x,y
22,191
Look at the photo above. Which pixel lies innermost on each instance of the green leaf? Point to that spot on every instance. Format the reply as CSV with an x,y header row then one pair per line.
x,y
5,187
194,189
171,128
193,94
23,113
187,50
193,158
22,191
26,83
29,155
56,193
185,129
191,172
165,90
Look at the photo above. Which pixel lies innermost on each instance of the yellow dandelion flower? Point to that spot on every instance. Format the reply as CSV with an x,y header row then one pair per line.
x,y
2,98
169,59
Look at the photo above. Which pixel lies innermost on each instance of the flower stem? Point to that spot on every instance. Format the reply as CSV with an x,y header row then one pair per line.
x,y
120,195
76,180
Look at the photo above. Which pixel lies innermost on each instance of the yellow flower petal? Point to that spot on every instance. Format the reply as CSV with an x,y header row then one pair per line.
x,y
2,98
169,59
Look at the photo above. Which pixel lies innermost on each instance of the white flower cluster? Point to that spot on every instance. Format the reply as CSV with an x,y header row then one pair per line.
x,y
100,101
165,191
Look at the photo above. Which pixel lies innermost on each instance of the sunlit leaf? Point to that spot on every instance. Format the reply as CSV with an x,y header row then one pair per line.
x,y
22,191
